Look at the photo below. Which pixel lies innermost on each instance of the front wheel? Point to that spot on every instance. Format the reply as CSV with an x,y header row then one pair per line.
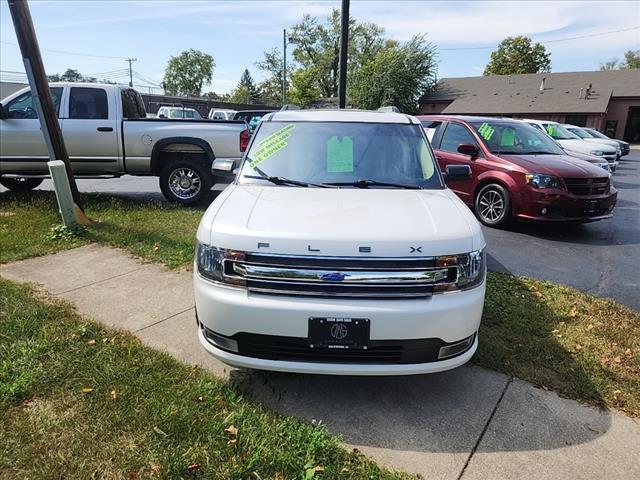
x,y
493,205
185,182
20,184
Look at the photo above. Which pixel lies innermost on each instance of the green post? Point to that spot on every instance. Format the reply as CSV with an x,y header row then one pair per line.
x,y
62,188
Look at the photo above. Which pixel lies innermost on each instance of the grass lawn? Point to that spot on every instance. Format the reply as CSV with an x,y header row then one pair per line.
x,y
584,347
81,401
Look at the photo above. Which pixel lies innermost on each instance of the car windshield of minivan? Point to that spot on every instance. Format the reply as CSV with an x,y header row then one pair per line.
x,y
558,132
340,154
515,138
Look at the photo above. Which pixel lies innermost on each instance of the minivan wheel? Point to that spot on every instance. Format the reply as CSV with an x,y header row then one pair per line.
x,y
185,182
493,206
20,184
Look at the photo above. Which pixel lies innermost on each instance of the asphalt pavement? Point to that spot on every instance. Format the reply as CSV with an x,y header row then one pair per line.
x,y
602,258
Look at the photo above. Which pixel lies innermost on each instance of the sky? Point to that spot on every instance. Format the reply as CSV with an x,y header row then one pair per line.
x,y
97,36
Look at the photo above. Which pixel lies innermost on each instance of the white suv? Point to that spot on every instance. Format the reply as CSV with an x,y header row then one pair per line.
x,y
339,250
573,143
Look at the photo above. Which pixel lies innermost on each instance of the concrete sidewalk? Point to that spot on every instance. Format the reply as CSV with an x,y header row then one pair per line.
x,y
467,423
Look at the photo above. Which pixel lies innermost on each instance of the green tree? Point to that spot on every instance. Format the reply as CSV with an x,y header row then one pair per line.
x,y
246,91
317,48
612,64
188,72
517,55
396,76
72,75
631,59
271,87
304,89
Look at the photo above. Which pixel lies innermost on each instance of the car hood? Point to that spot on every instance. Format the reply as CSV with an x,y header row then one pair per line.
x,y
585,147
337,222
609,143
558,165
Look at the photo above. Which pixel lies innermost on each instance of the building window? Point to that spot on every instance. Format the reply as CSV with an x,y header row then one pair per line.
x,y
577,120
610,128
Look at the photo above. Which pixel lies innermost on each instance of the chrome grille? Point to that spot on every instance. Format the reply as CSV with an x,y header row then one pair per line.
x,y
340,277
587,186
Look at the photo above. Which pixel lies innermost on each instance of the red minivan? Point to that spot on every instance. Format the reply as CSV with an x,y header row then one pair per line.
x,y
518,172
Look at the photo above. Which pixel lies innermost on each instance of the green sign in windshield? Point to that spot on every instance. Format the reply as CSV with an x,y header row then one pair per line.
x,y
339,155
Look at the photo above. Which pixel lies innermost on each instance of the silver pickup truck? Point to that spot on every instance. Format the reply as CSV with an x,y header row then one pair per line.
x,y
107,134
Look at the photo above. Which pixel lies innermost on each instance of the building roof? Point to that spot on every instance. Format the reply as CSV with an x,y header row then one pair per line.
x,y
508,94
346,115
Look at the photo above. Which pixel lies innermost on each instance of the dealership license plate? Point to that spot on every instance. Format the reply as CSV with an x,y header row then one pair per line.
x,y
591,206
338,333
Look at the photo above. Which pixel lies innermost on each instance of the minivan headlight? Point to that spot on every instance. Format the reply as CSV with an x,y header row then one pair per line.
x,y
597,153
471,270
210,262
539,180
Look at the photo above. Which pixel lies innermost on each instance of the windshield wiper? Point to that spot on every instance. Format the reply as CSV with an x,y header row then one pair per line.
x,y
285,181
362,183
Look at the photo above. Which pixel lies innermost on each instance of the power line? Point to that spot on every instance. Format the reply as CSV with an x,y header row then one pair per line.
x,y
64,52
548,41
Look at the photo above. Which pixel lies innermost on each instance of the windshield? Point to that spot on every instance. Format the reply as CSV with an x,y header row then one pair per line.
x,y
580,133
597,134
518,138
558,132
341,153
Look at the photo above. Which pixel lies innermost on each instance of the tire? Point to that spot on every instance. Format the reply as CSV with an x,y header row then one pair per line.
x,y
186,182
493,206
20,184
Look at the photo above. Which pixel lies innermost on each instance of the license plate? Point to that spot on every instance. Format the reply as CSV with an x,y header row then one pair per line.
x,y
338,333
591,206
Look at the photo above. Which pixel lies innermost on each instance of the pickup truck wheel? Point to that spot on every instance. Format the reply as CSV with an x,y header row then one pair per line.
x,y
185,182
493,205
20,184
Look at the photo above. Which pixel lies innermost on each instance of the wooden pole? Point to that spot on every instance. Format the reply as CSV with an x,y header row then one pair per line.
x,y
42,99
344,52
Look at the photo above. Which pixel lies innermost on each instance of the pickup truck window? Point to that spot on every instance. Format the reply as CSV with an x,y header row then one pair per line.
x,y
341,153
131,107
88,103
22,106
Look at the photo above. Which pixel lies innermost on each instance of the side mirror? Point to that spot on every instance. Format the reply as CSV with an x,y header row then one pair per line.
x,y
3,112
162,115
457,172
468,149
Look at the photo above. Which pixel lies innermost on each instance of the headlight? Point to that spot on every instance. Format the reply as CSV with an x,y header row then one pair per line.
x,y
604,166
211,263
597,153
538,180
471,270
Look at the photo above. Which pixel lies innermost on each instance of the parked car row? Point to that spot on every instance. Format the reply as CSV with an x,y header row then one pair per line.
x,y
519,171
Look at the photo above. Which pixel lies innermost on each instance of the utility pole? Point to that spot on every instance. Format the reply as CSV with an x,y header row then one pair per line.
x,y
344,49
41,95
284,67
131,60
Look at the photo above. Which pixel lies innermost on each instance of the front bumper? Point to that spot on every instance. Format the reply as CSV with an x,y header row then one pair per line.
x,y
233,312
565,207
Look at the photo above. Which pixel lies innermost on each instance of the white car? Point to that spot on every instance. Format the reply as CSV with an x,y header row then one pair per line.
x,y
339,250
587,137
221,114
179,112
573,143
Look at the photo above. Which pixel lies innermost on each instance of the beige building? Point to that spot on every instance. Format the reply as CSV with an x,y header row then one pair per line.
x,y
606,100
